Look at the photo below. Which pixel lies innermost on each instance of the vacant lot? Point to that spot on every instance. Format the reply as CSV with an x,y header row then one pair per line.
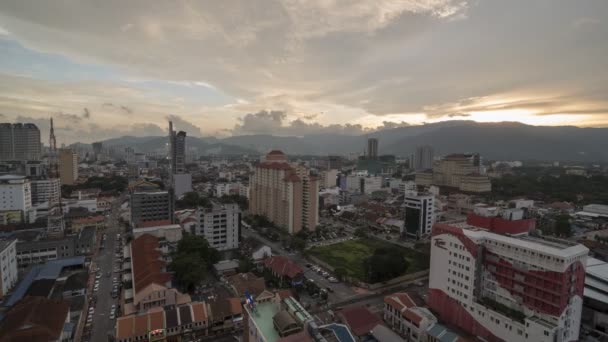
x,y
351,254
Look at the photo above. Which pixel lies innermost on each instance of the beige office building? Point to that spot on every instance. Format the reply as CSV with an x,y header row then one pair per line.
x,y
68,166
285,193
462,171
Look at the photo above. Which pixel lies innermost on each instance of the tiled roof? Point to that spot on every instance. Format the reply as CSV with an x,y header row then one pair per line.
x,y
247,282
89,220
275,166
200,311
283,266
34,319
147,267
359,319
399,301
154,223
412,316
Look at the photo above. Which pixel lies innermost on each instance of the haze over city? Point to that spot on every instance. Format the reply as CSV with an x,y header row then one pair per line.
x,y
295,68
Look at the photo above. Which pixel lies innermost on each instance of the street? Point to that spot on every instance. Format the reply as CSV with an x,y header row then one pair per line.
x,y
341,291
102,325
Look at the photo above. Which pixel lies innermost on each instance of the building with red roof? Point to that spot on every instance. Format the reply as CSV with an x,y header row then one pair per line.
x,y
284,268
287,194
359,320
36,319
150,279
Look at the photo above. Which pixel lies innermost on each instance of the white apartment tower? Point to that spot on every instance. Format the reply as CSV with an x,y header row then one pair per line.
x,y
220,225
15,193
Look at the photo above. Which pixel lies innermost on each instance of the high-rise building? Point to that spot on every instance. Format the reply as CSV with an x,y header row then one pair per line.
x,y
55,223
423,158
97,147
151,205
418,215
181,182
287,194
19,141
220,225
15,194
68,166
8,265
329,179
372,148
493,279
177,146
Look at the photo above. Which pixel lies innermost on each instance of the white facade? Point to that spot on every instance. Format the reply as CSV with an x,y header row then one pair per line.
x,y
371,184
169,232
599,209
90,204
225,189
419,215
219,225
244,190
44,190
261,253
15,193
353,183
466,264
8,266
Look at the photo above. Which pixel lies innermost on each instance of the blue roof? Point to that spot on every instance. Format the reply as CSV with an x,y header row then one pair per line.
x,y
448,337
436,330
21,289
68,327
52,269
341,332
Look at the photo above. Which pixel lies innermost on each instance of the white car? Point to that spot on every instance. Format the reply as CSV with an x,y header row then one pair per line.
x,y
96,288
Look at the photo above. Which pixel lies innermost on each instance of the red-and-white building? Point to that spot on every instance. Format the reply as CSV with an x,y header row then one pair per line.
x,y
492,279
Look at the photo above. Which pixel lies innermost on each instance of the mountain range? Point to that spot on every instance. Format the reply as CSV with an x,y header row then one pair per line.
x,y
496,141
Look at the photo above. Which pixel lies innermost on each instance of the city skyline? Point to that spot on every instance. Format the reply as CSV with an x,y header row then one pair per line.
x,y
300,68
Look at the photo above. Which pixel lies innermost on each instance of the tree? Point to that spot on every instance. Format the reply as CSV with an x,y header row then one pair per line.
x,y
361,232
340,273
246,265
298,243
562,226
191,261
189,270
192,200
384,264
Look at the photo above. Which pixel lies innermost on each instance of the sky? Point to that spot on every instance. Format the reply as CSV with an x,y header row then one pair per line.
x,y
109,68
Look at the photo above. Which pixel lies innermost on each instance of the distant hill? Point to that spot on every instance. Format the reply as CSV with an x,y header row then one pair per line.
x,y
504,140
155,143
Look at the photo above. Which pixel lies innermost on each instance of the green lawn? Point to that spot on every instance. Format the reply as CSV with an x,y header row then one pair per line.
x,y
351,254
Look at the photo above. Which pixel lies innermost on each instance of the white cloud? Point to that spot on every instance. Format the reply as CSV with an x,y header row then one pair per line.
x,y
358,62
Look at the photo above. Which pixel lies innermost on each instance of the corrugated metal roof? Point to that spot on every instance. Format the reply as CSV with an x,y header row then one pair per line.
x,y
23,286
